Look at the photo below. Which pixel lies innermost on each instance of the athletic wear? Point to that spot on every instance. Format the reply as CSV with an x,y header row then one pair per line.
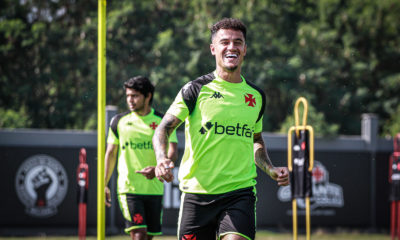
x,y
220,121
133,134
141,211
204,216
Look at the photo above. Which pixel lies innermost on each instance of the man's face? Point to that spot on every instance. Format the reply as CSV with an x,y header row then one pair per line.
x,y
135,100
229,49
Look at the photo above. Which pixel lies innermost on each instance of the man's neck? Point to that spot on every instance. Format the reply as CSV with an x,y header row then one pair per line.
x,y
233,77
146,110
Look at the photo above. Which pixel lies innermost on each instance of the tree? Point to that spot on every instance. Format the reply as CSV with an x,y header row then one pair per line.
x,y
341,55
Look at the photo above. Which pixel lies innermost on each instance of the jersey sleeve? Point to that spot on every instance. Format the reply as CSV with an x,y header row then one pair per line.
x,y
179,108
112,139
173,138
113,136
259,126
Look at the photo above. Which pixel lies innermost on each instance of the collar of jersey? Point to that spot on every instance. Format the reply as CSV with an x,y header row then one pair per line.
x,y
145,116
229,84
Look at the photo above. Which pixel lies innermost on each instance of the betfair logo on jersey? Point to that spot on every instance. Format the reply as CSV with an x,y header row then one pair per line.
x,y
238,130
137,145
217,95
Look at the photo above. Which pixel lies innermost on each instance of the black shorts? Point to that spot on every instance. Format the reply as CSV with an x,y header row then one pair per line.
x,y
206,217
142,211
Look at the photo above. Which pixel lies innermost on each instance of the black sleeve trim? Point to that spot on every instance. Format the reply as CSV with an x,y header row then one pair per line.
x,y
191,90
115,121
158,114
263,99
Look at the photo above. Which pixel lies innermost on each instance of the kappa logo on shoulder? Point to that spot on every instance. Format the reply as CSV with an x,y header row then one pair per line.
x,y
217,95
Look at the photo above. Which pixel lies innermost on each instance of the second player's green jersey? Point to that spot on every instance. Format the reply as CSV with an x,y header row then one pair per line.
x,y
133,133
220,121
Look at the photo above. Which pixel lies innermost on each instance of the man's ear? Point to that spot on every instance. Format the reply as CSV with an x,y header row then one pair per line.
x,y
148,97
212,48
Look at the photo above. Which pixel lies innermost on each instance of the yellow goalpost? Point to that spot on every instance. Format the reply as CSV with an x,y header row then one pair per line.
x,y
101,105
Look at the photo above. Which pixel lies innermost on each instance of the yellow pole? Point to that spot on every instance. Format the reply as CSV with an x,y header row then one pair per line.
x,y
297,128
101,113
308,221
310,167
294,214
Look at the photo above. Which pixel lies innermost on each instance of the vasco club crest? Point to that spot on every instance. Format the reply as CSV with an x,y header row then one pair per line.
x,y
41,184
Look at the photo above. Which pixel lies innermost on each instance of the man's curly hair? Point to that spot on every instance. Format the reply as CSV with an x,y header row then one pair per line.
x,y
228,23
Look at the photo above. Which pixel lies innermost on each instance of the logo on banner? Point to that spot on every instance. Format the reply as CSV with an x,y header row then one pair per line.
x,y
41,184
325,193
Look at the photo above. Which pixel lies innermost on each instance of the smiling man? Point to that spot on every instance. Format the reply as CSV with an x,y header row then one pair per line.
x,y
223,115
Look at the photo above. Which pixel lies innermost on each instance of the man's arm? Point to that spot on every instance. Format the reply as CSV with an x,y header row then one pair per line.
x,y
173,151
110,160
149,172
262,160
160,144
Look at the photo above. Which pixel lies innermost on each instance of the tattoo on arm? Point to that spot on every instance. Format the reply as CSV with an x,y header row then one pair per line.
x,y
261,157
162,133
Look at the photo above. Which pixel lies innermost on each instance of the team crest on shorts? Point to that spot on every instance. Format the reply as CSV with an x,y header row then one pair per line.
x,y
41,184
137,218
189,237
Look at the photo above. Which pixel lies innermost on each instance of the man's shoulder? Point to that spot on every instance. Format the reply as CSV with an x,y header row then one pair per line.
x,y
255,87
115,120
117,117
197,83
190,91
261,94
158,113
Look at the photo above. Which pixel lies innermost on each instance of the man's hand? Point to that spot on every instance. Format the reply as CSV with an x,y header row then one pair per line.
x,y
148,172
163,170
281,175
108,196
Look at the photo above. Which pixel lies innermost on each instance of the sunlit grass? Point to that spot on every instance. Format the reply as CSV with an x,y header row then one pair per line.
x,y
261,235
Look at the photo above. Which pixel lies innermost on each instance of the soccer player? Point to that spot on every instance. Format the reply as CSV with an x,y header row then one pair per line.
x,y
223,115
130,138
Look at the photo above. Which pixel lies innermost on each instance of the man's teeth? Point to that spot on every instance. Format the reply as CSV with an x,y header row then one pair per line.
x,y
231,55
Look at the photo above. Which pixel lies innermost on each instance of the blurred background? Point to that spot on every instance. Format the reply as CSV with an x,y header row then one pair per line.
x,y
342,56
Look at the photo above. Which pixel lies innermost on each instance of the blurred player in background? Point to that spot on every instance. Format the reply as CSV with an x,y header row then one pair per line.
x,y
130,138
223,113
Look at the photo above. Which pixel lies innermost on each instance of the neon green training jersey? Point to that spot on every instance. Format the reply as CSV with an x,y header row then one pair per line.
x,y
220,121
133,134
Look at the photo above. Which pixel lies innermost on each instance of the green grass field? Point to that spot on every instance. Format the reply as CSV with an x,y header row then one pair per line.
x,y
261,235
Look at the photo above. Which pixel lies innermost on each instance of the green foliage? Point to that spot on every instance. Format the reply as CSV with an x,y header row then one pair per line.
x,y
392,126
342,55
315,119
14,119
